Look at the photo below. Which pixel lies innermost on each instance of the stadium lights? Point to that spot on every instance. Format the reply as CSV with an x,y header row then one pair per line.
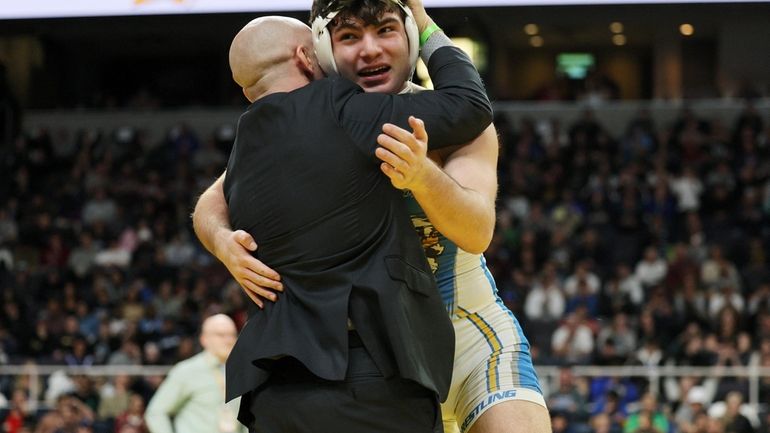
x,y
531,29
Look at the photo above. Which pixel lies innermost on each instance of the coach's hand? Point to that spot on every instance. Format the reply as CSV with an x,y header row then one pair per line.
x,y
404,155
234,249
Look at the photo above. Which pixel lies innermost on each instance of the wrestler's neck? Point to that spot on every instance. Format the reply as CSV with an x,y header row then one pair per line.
x,y
409,87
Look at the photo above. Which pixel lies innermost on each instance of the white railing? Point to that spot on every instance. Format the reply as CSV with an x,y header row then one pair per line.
x,y
549,375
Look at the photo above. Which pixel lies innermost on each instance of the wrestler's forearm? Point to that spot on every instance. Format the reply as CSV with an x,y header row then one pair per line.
x,y
461,214
211,216
460,199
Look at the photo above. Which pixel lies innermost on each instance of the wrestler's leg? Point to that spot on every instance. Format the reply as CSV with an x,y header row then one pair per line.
x,y
517,416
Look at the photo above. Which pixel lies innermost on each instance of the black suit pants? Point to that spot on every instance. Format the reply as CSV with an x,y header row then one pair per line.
x,y
295,401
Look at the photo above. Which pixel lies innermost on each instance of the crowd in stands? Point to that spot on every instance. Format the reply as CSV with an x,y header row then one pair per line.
x,y
649,248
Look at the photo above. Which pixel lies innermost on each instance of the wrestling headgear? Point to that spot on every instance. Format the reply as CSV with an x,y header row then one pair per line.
x,y
323,42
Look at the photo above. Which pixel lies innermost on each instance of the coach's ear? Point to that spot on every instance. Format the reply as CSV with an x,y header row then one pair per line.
x,y
307,63
249,94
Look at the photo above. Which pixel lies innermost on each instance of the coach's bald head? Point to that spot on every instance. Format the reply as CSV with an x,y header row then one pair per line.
x,y
273,54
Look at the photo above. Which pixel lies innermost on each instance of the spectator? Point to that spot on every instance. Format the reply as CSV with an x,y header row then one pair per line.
x,y
82,258
680,267
694,402
78,355
687,188
70,414
690,303
726,298
560,423
602,423
545,302
582,272
585,298
114,398
620,336
128,354
569,397
100,208
717,271
732,414
573,341
133,416
609,404
759,300
652,269
649,418
650,354
18,414
630,285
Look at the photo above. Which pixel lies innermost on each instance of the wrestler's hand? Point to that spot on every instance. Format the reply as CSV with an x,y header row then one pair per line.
x,y
404,155
259,282
421,17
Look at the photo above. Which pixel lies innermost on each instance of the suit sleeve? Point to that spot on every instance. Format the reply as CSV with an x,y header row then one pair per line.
x,y
455,113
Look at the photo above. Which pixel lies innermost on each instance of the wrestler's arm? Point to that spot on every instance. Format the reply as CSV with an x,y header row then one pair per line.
x,y
466,215
211,222
458,200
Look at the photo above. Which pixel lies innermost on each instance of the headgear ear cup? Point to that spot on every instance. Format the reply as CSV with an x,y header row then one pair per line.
x,y
413,36
322,40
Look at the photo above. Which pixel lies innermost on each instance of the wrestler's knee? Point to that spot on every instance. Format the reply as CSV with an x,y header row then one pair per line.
x,y
513,417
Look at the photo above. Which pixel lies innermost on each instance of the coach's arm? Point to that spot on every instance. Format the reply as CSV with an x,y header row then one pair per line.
x,y
211,222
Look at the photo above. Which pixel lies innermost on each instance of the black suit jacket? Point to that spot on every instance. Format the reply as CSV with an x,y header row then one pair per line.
x,y
304,181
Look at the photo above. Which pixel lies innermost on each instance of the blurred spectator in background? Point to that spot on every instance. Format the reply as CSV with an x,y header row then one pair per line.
x,y
687,188
132,417
602,423
717,271
193,392
652,269
545,303
114,398
733,415
560,423
582,274
69,415
570,397
616,341
694,402
19,414
573,341
630,286
649,418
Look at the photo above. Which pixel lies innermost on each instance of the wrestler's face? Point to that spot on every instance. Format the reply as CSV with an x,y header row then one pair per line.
x,y
373,55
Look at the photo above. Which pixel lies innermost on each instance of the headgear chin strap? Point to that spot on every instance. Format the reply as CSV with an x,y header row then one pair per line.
x,y
323,42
